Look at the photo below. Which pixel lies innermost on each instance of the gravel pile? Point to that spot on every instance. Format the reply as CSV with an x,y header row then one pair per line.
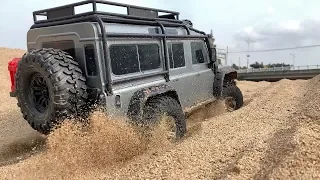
x,y
303,158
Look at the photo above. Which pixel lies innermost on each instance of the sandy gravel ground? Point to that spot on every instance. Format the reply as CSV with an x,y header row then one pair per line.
x,y
276,135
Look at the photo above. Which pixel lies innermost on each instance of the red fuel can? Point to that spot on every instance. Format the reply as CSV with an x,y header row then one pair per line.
x,y
12,67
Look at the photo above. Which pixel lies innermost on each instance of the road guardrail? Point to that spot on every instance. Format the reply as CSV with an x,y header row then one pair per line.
x,y
285,68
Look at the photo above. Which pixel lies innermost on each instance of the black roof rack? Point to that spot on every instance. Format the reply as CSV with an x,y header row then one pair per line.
x,y
133,12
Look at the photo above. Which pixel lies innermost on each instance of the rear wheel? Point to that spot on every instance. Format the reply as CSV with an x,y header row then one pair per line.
x,y
169,111
232,95
50,87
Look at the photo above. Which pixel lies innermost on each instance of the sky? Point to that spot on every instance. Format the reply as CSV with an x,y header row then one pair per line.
x,y
268,24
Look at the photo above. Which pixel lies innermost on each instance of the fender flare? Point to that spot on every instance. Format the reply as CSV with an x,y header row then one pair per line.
x,y
140,97
223,75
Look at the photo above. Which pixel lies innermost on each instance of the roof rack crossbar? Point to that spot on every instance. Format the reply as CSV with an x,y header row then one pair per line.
x,y
60,12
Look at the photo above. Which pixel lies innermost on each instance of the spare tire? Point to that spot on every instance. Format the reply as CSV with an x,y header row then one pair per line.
x,y
50,87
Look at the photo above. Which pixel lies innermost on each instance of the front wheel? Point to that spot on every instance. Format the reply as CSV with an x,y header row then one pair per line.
x,y
233,96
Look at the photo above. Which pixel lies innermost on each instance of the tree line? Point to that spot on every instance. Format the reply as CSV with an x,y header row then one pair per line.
x,y
258,65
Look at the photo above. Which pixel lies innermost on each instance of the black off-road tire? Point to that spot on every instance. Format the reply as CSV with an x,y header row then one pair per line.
x,y
230,89
50,87
156,107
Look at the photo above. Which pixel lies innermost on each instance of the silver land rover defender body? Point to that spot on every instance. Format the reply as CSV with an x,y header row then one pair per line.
x,y
138,64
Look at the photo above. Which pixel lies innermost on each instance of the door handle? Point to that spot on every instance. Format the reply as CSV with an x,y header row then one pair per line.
x,y
198,74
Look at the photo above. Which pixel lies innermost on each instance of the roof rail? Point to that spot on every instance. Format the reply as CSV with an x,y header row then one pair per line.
x,y
68,12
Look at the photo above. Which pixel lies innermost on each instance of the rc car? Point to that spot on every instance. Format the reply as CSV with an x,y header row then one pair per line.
x,y
140,64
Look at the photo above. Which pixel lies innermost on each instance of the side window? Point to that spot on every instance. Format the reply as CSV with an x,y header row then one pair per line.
x,y
149,57
67,46
198,53
90,60
131,58
176,55
124,59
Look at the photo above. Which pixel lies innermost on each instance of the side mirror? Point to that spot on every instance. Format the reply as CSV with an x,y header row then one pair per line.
x,y
213,57
213,54
213,51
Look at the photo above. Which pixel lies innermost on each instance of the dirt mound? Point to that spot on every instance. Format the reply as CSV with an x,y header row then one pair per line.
x,y
304,160
252,90
311,99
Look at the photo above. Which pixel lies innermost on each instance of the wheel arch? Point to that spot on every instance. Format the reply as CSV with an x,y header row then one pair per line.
x,y
142,96
224,75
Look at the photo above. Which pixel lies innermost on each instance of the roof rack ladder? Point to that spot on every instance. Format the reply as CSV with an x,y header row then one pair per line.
x,y
164,39
105,57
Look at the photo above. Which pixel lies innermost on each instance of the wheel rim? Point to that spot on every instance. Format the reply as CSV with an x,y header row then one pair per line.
x,y
39,92
230,103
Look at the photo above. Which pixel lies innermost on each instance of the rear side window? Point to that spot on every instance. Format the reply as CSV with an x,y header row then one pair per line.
x,y
133,58
149,57
198,52
124,59
176,55
67,46
90,60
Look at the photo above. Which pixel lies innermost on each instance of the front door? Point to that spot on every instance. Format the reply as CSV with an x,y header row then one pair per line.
x,y
205,76
182,78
